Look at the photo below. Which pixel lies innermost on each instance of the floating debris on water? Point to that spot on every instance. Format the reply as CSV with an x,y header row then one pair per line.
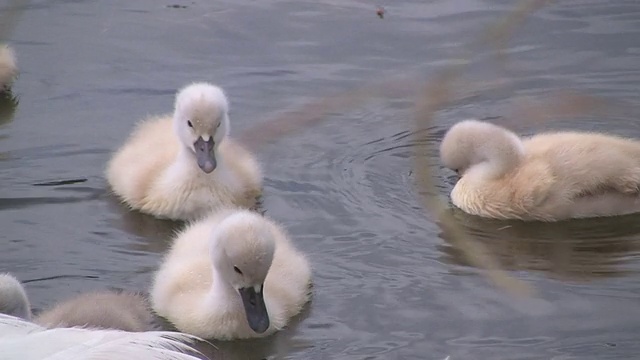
x,y
61,182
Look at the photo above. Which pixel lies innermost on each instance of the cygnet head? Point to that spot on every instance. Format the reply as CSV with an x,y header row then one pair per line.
x,y
201,120
243,245
13,298
470,143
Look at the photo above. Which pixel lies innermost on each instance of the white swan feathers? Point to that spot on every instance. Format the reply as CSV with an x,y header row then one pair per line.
x,y
549,176
234,274
183,166
20,339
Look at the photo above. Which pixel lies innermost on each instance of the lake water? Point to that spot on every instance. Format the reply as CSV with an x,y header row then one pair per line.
x,y
388,281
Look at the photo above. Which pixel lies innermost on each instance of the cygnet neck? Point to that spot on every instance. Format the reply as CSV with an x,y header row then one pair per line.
x,y
186,160
222,294
501,152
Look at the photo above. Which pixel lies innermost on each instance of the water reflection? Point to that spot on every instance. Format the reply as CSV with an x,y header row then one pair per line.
x,y
153,235
8,106
280,345
577,250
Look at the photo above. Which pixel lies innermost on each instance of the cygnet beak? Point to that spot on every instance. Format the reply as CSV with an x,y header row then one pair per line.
x,y
255,308
205,154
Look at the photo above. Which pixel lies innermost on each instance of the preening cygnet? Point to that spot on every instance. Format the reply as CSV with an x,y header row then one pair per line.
x,y
8,67
234,274
549,176
183,166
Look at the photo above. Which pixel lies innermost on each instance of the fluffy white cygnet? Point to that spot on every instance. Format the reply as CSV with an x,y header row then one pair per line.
x,y
234,274
183,166
549,176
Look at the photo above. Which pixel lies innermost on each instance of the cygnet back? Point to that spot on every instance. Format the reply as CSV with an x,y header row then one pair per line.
x,y
104,309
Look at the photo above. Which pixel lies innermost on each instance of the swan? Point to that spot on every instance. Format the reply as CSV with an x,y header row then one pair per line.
x,y
8,67
97,309
234,274
550,176
183,166
21,339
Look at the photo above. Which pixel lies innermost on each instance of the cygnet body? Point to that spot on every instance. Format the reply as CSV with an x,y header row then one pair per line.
x,y
98,309
183,166
234,274
101,309
13,298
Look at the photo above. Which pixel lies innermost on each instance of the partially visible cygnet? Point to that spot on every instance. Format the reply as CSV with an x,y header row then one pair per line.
x,y
13,298
184,165
103,309
8,67
99,309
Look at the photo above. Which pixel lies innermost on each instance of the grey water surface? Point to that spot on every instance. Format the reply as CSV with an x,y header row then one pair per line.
x,y
388,281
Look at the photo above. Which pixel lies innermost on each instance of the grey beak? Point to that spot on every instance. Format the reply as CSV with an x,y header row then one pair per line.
x,y
205,154
255,309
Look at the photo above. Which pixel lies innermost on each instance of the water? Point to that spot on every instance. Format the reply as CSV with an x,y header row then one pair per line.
x,y
388,282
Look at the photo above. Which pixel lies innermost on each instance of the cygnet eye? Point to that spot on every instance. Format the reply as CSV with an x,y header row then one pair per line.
x,y
189,123
220,123
236,269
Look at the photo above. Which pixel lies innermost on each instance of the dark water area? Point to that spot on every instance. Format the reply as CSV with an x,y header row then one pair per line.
x,y
389,283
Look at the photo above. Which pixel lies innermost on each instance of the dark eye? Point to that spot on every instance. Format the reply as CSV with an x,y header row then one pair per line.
x,y
189,123
220,123
235,268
